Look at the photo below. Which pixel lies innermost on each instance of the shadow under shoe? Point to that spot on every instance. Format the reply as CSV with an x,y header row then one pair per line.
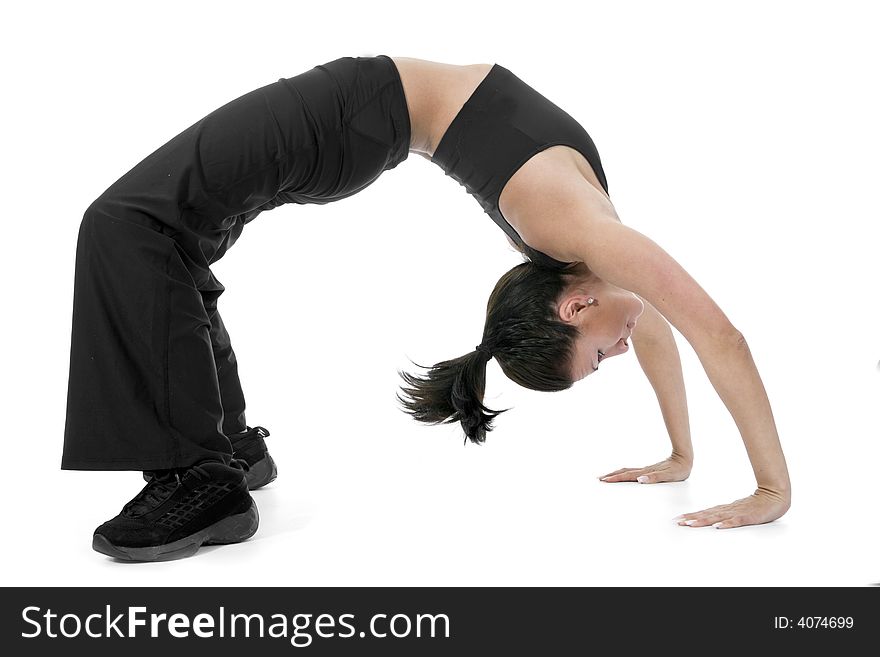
x,y
250,447
180,510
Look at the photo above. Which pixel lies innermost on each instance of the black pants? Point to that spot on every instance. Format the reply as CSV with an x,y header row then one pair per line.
x,y
153,376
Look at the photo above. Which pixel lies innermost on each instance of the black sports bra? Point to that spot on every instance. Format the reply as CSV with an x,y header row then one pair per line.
x,y
501,125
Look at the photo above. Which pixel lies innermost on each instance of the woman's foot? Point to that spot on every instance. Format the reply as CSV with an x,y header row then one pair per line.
x,y
180,510
250,447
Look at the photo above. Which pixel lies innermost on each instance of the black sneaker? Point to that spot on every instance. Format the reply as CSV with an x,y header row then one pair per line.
x,y
178,511
250,447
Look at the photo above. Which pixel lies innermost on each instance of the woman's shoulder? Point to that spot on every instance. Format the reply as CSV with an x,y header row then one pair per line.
x,y
551,185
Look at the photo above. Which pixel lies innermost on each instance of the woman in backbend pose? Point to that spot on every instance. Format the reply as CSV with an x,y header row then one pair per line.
x,y
153,378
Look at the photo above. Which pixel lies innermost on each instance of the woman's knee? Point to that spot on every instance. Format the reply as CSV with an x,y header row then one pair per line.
x,y
107,231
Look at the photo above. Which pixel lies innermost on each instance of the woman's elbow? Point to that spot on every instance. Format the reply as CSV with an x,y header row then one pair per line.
x,y
720,334
728,334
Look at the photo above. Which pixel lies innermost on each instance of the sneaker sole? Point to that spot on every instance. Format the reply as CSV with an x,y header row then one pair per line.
x,y
261,473
232,529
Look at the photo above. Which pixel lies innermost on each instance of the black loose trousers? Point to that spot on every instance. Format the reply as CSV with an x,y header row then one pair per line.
x,y
153,377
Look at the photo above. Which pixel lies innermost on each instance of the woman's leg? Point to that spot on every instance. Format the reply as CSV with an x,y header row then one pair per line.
x,y
231,394
151,365
143,391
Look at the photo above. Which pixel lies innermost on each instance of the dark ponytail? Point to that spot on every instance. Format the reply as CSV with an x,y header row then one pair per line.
x,y
523,332
452,392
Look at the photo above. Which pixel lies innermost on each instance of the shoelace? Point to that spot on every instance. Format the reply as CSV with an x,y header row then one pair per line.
x,y
160,487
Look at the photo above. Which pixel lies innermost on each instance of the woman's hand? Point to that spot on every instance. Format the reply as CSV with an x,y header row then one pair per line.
x,y
674,468
764,505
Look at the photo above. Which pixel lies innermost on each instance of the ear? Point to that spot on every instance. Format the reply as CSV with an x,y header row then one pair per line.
x,y
573,306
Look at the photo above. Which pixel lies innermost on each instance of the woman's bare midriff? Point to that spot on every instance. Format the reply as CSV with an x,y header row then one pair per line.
x,y
435,93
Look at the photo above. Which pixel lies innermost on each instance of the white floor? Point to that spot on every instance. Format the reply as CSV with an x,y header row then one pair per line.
x,y
382,501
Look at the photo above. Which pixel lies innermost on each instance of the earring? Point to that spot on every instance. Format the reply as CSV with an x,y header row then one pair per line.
x,y
591,301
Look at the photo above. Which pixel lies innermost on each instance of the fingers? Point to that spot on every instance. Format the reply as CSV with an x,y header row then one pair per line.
x,y
624,474
640,475
701,521
729,523
650,474
718,518
654,478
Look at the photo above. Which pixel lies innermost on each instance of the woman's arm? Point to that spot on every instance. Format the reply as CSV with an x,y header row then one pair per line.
x,y
630,260
658,356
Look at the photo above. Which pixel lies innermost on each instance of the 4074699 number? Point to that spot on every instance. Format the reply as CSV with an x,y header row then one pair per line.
x,y
813,622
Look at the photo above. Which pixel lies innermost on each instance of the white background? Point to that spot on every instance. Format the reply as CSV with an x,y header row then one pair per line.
x,y
742,138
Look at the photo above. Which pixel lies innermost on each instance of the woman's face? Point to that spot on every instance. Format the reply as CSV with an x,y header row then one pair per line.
x,y
605,324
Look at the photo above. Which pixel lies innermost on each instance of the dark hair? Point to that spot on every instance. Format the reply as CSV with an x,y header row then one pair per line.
x,y
524,333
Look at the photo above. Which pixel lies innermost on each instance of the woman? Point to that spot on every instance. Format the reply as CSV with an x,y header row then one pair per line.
x,y
153,381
